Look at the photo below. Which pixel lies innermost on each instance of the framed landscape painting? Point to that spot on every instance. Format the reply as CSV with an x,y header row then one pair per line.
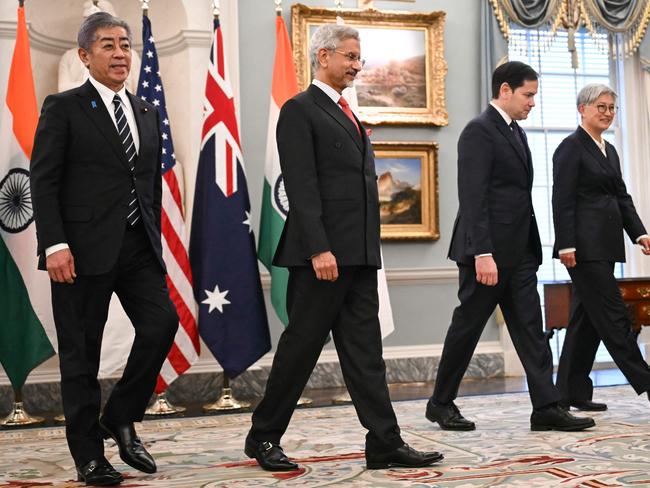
x,y
403,80
408,189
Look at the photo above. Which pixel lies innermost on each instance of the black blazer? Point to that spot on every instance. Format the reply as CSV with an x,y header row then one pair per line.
x,y
330,182
81,182
591,206
495,179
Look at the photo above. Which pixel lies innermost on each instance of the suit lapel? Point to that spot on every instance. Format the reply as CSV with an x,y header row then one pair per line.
x,y
94,107
327,104
595,151
508,133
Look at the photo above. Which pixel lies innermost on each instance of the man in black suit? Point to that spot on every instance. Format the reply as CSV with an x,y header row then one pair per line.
x,y
330,243
591,208
96,188
496,246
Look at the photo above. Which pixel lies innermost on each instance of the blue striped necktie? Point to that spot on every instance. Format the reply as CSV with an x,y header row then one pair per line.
x,y
133,212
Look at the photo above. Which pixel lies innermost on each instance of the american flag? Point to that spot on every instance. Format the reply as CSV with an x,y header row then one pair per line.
x,y
232,315
185,350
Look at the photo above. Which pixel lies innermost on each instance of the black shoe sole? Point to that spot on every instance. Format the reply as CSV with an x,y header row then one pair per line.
x,y
447,427
400,465
562,428
104,483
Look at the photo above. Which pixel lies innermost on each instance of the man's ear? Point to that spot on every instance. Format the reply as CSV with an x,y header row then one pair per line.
x,y
83,55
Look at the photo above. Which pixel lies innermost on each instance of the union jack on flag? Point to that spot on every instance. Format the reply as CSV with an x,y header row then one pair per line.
x,y
232,315
185,350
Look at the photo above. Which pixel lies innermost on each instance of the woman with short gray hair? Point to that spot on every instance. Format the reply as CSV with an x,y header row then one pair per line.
x,y
591,208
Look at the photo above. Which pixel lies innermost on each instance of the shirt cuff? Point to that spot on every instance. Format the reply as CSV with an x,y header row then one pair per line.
x,y
641,237
482,255
55,248
567,250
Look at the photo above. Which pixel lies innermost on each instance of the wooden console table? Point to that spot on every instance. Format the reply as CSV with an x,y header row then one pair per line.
x,y
635,291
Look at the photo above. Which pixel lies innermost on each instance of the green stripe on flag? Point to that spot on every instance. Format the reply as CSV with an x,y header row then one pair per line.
x,y
23,342
271,225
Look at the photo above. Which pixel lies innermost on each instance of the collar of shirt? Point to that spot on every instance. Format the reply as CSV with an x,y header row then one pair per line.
x,y
107,96
329,91
601,144
503,114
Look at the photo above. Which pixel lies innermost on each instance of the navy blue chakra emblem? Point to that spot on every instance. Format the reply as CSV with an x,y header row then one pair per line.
x,y
15,201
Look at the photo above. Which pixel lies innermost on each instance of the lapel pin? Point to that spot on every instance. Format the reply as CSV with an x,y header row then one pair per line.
x,y
144,110
93,104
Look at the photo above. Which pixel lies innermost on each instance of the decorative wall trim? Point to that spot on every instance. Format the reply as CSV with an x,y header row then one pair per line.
x,y
52,45
404,276
210,365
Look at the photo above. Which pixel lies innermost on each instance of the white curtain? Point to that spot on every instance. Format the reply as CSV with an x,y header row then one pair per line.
x,y
635,125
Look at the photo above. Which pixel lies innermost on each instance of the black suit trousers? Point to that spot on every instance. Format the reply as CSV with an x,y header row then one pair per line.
x,y
80,313
516,293
348,308
598,313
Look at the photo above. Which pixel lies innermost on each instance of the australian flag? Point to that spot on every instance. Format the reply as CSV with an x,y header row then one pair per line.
x,y
232,315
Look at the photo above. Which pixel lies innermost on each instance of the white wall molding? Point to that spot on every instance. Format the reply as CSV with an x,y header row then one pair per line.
x,y
207,364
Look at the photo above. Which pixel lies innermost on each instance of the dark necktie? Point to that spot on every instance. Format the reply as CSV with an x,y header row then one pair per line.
x,y
516,131
133,211
347,111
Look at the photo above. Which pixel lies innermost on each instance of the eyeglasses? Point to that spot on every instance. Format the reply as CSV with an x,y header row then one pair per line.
x,y
353,58
602,108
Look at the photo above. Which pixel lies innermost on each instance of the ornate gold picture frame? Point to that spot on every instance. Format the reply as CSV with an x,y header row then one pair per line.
x,y
408,189
403,81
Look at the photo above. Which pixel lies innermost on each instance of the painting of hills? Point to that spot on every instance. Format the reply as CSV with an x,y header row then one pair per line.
x,y
400,190
395,73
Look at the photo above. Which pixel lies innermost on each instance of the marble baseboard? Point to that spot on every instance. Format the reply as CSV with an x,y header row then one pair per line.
x,y
205,387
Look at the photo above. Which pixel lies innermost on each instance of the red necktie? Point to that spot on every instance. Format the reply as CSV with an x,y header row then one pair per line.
x,y
346,109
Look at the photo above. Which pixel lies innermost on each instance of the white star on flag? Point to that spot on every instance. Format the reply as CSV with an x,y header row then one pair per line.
x,y
216,299
149,54
248,222
157,88
166,121
151,39
164,136
147,69
164,151
145,84
156,102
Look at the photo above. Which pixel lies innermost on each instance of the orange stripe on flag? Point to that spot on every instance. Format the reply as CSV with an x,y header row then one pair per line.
x,y
285,83
21,98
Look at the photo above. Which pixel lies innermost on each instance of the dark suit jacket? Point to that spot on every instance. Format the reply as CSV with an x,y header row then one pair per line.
x,y
495,178
591,206
81,182
331,184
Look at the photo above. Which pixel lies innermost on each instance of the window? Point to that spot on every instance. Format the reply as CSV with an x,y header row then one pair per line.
x,y
555,117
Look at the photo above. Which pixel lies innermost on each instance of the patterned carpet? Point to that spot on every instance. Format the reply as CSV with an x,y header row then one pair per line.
x,y
206,452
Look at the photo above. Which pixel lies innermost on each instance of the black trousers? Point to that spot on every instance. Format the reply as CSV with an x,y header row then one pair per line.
x,y
598,313
80,313
516,293
348,308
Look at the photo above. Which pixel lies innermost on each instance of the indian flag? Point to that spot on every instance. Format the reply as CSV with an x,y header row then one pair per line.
x,y
25,309
274,200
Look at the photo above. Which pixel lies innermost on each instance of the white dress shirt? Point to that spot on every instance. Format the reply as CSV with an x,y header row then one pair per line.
x,y
107,96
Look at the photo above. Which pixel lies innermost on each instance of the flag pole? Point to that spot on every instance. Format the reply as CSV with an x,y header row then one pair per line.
x,y
18,417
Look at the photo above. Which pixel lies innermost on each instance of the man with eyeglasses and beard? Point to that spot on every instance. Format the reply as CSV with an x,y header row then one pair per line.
x,y
591,208
330,243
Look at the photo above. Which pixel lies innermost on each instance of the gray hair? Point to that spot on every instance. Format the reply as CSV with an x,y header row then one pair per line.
x,y
329,36
100,20
592,92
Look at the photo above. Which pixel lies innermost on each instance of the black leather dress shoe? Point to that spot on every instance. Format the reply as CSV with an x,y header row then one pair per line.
x,y
98,472
402,457
269,456
448,417
584,405
555,418
132,450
